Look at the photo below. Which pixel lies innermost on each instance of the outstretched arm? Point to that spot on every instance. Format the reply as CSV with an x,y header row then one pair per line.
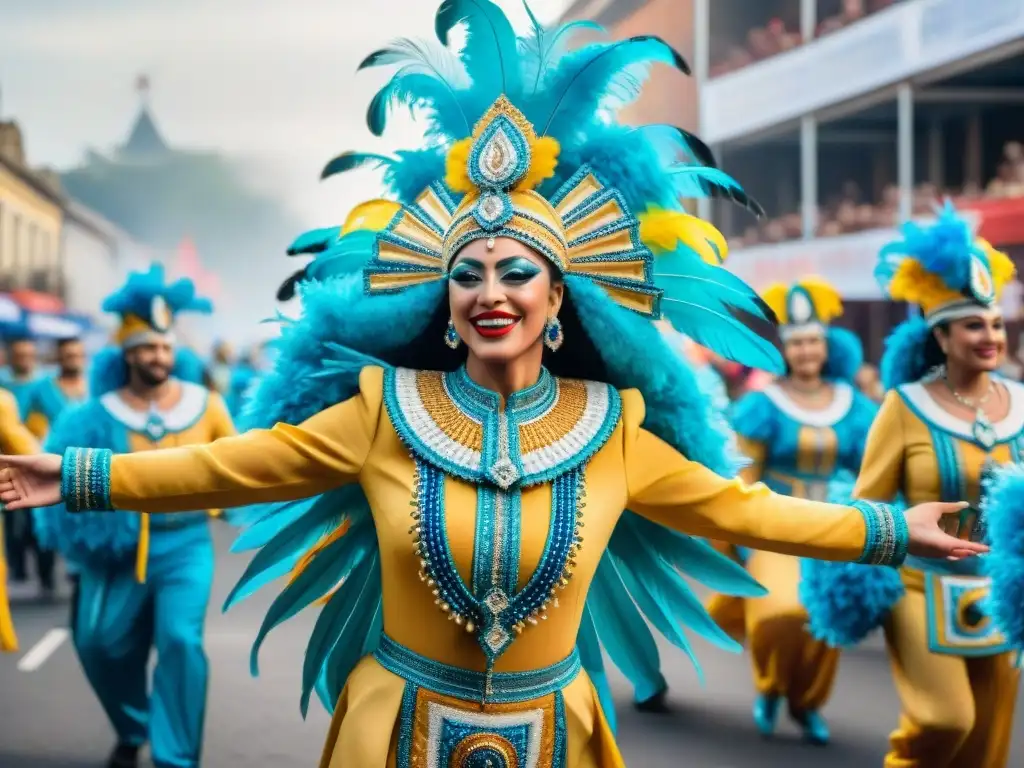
x,y
668,489
279,464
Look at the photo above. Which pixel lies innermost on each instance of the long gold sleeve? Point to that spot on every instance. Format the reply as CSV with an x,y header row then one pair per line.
x,y
881,468
668,489
279,464
15,438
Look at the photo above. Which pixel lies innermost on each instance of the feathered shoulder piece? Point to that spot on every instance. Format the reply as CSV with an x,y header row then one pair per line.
x,y
943,268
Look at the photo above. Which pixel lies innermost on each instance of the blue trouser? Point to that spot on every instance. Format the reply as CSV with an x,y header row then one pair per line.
x,y
117,623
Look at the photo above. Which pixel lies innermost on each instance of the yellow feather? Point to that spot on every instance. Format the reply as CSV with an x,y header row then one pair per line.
x,y
664,231
543,161
1000,265
827,302
775,297
456,164
373,215
914,284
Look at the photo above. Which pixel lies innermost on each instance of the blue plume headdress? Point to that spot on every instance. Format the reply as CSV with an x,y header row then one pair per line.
x,y
147,305
601,200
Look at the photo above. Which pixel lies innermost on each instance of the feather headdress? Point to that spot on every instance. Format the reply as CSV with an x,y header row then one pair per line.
x,y
943,268
523,143
148,304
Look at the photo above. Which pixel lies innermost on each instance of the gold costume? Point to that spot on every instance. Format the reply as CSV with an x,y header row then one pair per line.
x,y
357,442
956,682
14,439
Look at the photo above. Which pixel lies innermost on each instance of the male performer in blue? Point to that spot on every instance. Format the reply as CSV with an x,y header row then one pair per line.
x,y
65,387
143,582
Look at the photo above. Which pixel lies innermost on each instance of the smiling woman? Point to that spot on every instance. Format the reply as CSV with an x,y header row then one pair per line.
x,y
551,492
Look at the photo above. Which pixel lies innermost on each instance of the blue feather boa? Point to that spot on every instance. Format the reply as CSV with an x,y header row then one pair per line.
x,y
903,359
1004,516
845,602
845,355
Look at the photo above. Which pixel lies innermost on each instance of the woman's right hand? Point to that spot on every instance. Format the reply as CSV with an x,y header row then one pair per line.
x,y
29,482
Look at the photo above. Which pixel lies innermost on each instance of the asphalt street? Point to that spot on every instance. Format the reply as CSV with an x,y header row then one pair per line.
x,y
49,719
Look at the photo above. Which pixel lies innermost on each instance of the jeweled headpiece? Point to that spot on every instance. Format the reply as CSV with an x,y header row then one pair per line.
x,y
805,308
522,143
148,304
944,269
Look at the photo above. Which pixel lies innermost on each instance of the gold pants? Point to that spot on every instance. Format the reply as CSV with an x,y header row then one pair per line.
x,y
786,660
8,640
956,712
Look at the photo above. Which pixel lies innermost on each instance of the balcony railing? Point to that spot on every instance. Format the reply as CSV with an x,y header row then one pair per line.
x,y
901,43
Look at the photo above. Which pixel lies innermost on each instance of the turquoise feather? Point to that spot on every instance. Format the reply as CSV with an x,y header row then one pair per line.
x,y
671,141
279,555
343,623
349,161
598,75
697,559
622,630
543,47
591,658
668,591
262,522
699,181
491,52
323,572
685,276
723,333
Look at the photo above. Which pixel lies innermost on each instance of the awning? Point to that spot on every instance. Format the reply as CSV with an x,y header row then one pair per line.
x,y
36,315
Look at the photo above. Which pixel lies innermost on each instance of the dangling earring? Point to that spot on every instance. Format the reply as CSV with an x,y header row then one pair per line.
x,y
451,337
553,336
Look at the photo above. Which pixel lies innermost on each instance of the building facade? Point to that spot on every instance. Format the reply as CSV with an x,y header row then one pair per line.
x,y
31,218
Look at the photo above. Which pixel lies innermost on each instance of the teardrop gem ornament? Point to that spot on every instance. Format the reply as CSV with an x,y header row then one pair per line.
x,y
500,155
493,210
982,286
800,309
160,314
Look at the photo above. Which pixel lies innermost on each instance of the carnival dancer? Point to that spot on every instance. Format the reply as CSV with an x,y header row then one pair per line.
x,y
798,432
944,425
14,438
144,582
66,387
21,378
495,371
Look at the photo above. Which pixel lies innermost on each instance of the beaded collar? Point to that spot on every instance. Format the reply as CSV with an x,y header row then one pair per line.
x,y
544,431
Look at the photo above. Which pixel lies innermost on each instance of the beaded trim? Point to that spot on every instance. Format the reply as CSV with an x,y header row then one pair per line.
x,y
470,685
888,537
459,427
85,479
490,608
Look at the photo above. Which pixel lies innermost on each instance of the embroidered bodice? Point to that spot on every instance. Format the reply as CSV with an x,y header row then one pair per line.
x,y
545,433
797,450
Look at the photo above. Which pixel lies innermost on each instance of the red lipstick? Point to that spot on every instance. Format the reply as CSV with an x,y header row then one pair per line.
x,y
494,324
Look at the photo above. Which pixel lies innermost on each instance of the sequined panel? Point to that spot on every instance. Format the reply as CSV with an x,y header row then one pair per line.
x,y
450,733
957,622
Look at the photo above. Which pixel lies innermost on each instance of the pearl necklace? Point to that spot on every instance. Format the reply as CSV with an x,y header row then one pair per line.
x,y
982,428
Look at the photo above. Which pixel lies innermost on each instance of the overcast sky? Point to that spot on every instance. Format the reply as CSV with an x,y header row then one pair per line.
x,y
269,80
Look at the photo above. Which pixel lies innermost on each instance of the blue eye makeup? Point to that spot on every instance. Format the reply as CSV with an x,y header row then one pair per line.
x,y
517,270
465,274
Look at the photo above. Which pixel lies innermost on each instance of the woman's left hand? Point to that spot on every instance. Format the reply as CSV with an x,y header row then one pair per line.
x,y
927,539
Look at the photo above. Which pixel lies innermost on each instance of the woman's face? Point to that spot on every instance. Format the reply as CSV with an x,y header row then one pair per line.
x,y
501,298
976,343
805,354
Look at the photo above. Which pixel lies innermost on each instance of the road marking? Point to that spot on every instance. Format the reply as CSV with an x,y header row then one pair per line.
x,y
42,650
